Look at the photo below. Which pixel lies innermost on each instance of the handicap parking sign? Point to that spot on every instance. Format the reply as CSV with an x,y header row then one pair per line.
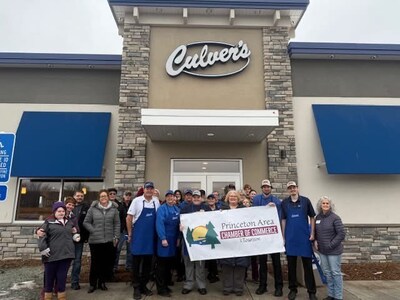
x,y
7,142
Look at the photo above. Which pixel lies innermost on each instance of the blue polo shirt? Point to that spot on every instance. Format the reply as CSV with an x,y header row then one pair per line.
x,y
262,200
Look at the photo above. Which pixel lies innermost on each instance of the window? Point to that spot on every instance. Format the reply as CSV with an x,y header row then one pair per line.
x,y
36,196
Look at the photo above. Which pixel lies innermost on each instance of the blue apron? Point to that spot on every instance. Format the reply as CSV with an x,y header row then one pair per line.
x,y
297,230
171,225
144,232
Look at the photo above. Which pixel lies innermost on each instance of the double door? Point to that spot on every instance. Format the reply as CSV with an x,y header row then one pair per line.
x,y
208,182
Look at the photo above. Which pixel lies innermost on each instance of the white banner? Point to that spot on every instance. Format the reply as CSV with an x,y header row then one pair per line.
x,y
232,233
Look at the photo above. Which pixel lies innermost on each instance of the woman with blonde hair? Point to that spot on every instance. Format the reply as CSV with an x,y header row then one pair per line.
x,y
329,236
233,268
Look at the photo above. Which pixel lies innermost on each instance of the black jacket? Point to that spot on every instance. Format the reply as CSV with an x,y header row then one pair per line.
x,y
80,212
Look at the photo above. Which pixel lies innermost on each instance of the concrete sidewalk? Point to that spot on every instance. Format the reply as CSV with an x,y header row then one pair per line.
x,y
353,290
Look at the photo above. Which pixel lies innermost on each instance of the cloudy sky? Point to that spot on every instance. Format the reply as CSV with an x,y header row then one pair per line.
x,y
87,26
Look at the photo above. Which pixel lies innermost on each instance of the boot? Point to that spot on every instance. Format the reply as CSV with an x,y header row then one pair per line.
x,y
62,296
48,296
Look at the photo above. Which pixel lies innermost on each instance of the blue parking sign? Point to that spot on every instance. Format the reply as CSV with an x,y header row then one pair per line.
x,y
7,141
3,192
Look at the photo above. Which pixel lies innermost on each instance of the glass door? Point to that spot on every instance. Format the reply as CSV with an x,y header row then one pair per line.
x,y
218,183
189,182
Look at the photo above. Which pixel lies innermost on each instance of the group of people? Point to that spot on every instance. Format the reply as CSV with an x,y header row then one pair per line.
x,y
150,227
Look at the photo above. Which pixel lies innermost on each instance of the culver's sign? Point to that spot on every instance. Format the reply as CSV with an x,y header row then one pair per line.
x,y
200,63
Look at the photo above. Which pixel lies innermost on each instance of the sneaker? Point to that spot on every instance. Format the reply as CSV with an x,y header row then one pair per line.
x,y
145,291
312,297
186,291
136,294
75,286
329,298
226,293
278,293
239,293
202,291
261,290
292,295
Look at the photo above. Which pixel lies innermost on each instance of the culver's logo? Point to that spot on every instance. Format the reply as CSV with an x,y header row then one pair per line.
x,y
194,64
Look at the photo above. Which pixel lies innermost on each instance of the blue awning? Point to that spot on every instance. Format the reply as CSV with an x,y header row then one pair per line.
x,y
359,139
61,144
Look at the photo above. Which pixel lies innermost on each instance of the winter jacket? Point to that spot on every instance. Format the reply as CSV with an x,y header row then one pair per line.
x,y
242,261
58,238
329,233
103,224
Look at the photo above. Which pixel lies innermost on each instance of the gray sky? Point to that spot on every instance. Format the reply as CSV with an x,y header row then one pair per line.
x,y
87,26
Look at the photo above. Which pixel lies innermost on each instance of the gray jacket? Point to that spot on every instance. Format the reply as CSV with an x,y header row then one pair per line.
x,y
103,224
58,238
329,233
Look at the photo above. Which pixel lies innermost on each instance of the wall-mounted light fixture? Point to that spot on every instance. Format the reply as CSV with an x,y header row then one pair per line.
x,y
23,190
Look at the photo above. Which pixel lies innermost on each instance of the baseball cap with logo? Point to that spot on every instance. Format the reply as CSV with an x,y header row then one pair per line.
x,y
291,183
149,185
266,182
188,192
169,192
196,193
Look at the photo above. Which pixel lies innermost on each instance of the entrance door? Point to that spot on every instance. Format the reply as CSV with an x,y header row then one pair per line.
x,y
209,183
209,175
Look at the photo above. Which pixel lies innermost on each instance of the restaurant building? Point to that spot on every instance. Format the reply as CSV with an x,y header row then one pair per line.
x,y
206,94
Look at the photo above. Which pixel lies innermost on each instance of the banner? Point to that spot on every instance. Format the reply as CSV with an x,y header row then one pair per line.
x,y
232,233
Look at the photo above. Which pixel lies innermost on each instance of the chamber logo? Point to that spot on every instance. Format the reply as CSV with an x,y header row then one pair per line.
x,y
202,235
210,55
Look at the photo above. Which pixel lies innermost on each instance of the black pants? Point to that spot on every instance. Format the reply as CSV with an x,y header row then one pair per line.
x,y
101,262
308,274
179,265
141,268
163,273
276,264
212,268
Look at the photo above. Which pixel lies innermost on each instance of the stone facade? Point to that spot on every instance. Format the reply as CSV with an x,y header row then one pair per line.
x,y
363,244
134,91
371,244
279,96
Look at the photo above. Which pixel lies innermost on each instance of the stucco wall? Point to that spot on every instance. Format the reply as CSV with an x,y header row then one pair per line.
x,y
359,199
10,115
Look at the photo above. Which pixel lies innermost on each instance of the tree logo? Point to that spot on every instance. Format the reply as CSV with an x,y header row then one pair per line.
x,y
202,235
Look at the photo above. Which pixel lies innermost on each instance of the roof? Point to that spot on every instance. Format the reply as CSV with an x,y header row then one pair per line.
x,y
360,51
259,4
59,60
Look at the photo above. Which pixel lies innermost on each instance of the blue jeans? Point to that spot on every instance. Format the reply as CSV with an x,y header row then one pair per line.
x,y
76,265
123,240
331,267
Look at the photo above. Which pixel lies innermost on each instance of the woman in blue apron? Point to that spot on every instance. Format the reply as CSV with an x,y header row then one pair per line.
x,y
142,238
296,210
167,226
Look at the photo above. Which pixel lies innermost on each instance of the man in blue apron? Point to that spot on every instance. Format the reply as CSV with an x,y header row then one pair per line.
x,y
297,216
141,227
263,199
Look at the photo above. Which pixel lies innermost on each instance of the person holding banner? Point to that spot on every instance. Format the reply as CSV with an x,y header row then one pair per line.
x,y
141,226
167,226
234,268
329,237
194,270
266,198
297,216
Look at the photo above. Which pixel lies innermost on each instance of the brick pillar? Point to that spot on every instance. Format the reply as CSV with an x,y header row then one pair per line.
x,y
279,95
134,94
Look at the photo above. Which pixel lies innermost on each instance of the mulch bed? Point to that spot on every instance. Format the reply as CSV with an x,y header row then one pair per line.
x,y
362,271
